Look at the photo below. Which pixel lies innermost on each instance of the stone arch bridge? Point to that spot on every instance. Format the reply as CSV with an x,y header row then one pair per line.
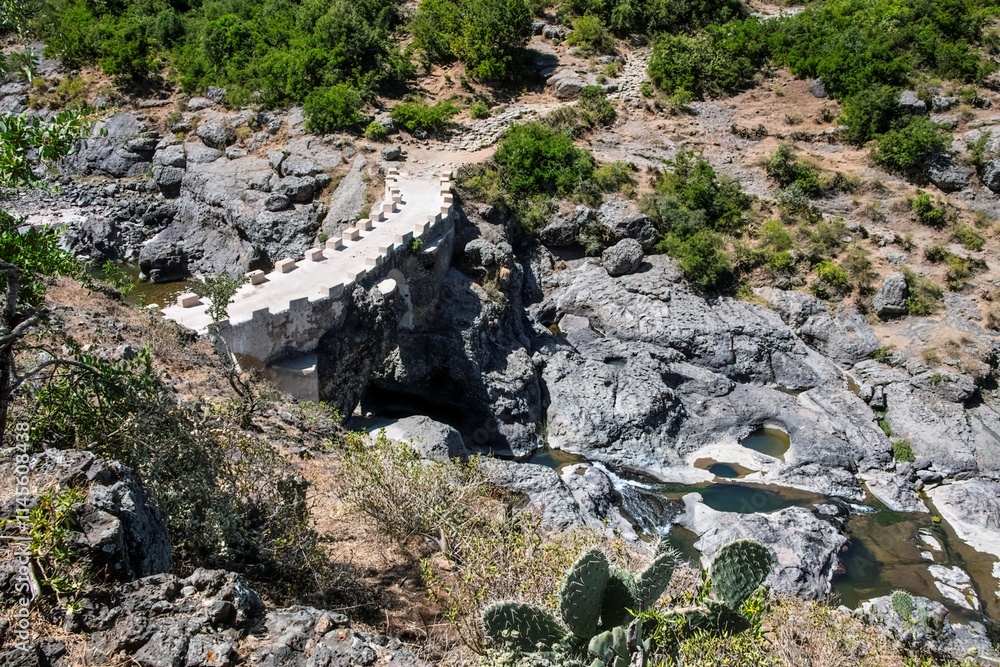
x,y
290,321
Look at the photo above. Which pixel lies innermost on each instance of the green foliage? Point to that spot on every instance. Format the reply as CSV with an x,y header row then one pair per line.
x,y
403,494
25,140
924,297
859,45
721,60
376,131
219,290
282,49
229,500
968,237
593,110
786,168
37,255
700,257
489,36
595,601
615,177
834,281
53,526
902,451
412,116
479,110
739,568
332,109
116,277
534,159
591,36
695,211
656,16
904,150
927,212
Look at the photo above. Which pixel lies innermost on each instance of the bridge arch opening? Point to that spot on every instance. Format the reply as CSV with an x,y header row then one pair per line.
x,y
404,291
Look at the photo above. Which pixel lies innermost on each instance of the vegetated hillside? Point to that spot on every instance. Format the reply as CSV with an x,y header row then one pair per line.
x,y
731,158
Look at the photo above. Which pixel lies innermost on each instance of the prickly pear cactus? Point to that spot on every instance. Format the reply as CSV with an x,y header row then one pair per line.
x,y
582,593
619,597
739,569
610,648
902,604
521,627
651,583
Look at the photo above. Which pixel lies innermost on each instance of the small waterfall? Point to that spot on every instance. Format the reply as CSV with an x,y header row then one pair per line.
x,y
646,509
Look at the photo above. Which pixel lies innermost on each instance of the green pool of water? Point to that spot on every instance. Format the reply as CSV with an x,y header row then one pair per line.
x,y
556,459
145,292
769,441
724,470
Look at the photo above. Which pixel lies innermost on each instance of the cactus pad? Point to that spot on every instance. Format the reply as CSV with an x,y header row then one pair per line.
x,y
521,627
902,604
619,597
656,577
739,569
582,592
610,648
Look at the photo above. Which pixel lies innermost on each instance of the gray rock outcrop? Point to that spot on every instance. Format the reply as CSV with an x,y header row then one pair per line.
x,y
890,301
431,439
991,175
622,258
947,173
911,103
566,84
566,228
619,219
216,132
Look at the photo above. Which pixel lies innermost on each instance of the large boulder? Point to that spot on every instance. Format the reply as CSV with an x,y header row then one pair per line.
x,y
348,200
621,219
216,132
805,547
890,301
566,228
991,175
120,147
622,258
566,84
946,173
431,439
911,103
118,532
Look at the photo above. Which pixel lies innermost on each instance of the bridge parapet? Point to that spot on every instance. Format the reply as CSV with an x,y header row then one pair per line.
x,y
285,311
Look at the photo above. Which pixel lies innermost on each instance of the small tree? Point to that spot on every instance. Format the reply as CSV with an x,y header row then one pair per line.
x,y
28,256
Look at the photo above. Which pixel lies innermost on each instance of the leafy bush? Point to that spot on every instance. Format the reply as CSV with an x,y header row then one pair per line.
x,y
968,237
700,257
591,36
412,116
534,159
834,281
721,60
927,212
924,296
615,177
904,150
376,131
479,110
903,451
688,195
284,50
332,109
656,16
786,168
489,36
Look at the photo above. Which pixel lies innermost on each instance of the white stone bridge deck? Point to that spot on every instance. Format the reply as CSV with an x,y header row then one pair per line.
x,y
412,207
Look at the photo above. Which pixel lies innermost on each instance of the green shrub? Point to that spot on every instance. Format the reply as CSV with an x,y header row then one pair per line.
x,y
332,109
924,296
615,177
688,195
786,168
700,257
858,265
534,159
927,212
479,110
657,16
489,36
776,236
376,131
434,118
722,60
591,36
968,237
904,150
903,451
834,281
